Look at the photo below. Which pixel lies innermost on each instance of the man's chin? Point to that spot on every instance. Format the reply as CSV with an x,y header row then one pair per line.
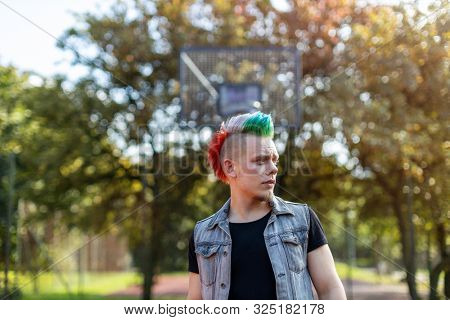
x,y
265,196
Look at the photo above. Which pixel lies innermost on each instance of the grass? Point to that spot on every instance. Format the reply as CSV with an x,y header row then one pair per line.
x,y
68,285
94,286
364,274
368,275
65,296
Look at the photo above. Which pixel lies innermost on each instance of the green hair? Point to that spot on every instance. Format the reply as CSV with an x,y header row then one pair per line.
x,y
257,123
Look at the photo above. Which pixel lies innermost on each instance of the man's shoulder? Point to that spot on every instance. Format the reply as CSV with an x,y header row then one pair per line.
x,y
298,209
202,227
207,219
293,204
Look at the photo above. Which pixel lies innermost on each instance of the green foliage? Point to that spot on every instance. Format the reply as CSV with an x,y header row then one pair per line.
x,y
390,98
376,80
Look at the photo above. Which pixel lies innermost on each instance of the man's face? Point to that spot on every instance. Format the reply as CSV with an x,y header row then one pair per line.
x,y
255,167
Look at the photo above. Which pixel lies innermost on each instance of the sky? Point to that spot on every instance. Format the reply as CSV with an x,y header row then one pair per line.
x,y
29,48
33,47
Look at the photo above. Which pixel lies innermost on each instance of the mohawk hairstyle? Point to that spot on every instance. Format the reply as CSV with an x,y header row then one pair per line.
x,y
257,123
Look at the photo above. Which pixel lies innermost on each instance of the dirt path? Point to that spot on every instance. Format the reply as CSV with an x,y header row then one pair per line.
x,y
361,290
164,285
178,286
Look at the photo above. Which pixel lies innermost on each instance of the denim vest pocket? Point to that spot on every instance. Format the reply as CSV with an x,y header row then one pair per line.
x,y
293,242
207,259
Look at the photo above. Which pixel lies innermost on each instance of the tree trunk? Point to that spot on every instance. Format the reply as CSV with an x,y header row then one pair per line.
x,y
443,265
148,274
434,280
145,259
408,249
447,283
153,244
153,251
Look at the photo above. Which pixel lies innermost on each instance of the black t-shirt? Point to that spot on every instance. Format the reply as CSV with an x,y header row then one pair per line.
x,y
252,276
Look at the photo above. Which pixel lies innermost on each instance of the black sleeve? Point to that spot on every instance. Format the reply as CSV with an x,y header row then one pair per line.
x,y
193,266
316,235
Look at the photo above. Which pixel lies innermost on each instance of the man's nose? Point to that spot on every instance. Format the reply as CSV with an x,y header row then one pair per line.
x,y
273,168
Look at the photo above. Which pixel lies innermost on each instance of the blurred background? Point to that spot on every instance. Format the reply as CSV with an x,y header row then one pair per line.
x,y
106,111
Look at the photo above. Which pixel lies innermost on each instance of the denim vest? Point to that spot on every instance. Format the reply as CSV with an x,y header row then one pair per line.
x,y
286,238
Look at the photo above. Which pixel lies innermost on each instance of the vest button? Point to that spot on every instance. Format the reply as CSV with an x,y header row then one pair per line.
x,y
225,253
223,285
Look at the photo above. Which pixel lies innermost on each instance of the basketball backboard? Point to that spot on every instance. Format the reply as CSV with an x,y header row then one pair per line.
x,y
216,83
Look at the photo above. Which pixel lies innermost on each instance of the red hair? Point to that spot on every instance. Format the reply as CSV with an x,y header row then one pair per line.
x,y
215,146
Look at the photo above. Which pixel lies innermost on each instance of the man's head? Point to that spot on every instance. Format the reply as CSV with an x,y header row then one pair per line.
x,y
242,154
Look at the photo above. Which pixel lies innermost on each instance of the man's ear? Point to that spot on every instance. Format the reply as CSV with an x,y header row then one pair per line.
x,y
229,168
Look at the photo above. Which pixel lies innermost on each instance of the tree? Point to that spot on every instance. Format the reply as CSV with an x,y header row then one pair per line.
x,y
392,98
10,88
137,55
136,47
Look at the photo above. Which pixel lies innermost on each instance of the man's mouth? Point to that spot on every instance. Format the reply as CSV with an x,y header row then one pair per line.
x,y
271,181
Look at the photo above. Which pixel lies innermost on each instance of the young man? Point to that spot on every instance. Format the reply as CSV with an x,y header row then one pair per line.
x,y
257,246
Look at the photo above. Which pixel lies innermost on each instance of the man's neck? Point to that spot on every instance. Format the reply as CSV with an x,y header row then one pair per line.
x,y
246,209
